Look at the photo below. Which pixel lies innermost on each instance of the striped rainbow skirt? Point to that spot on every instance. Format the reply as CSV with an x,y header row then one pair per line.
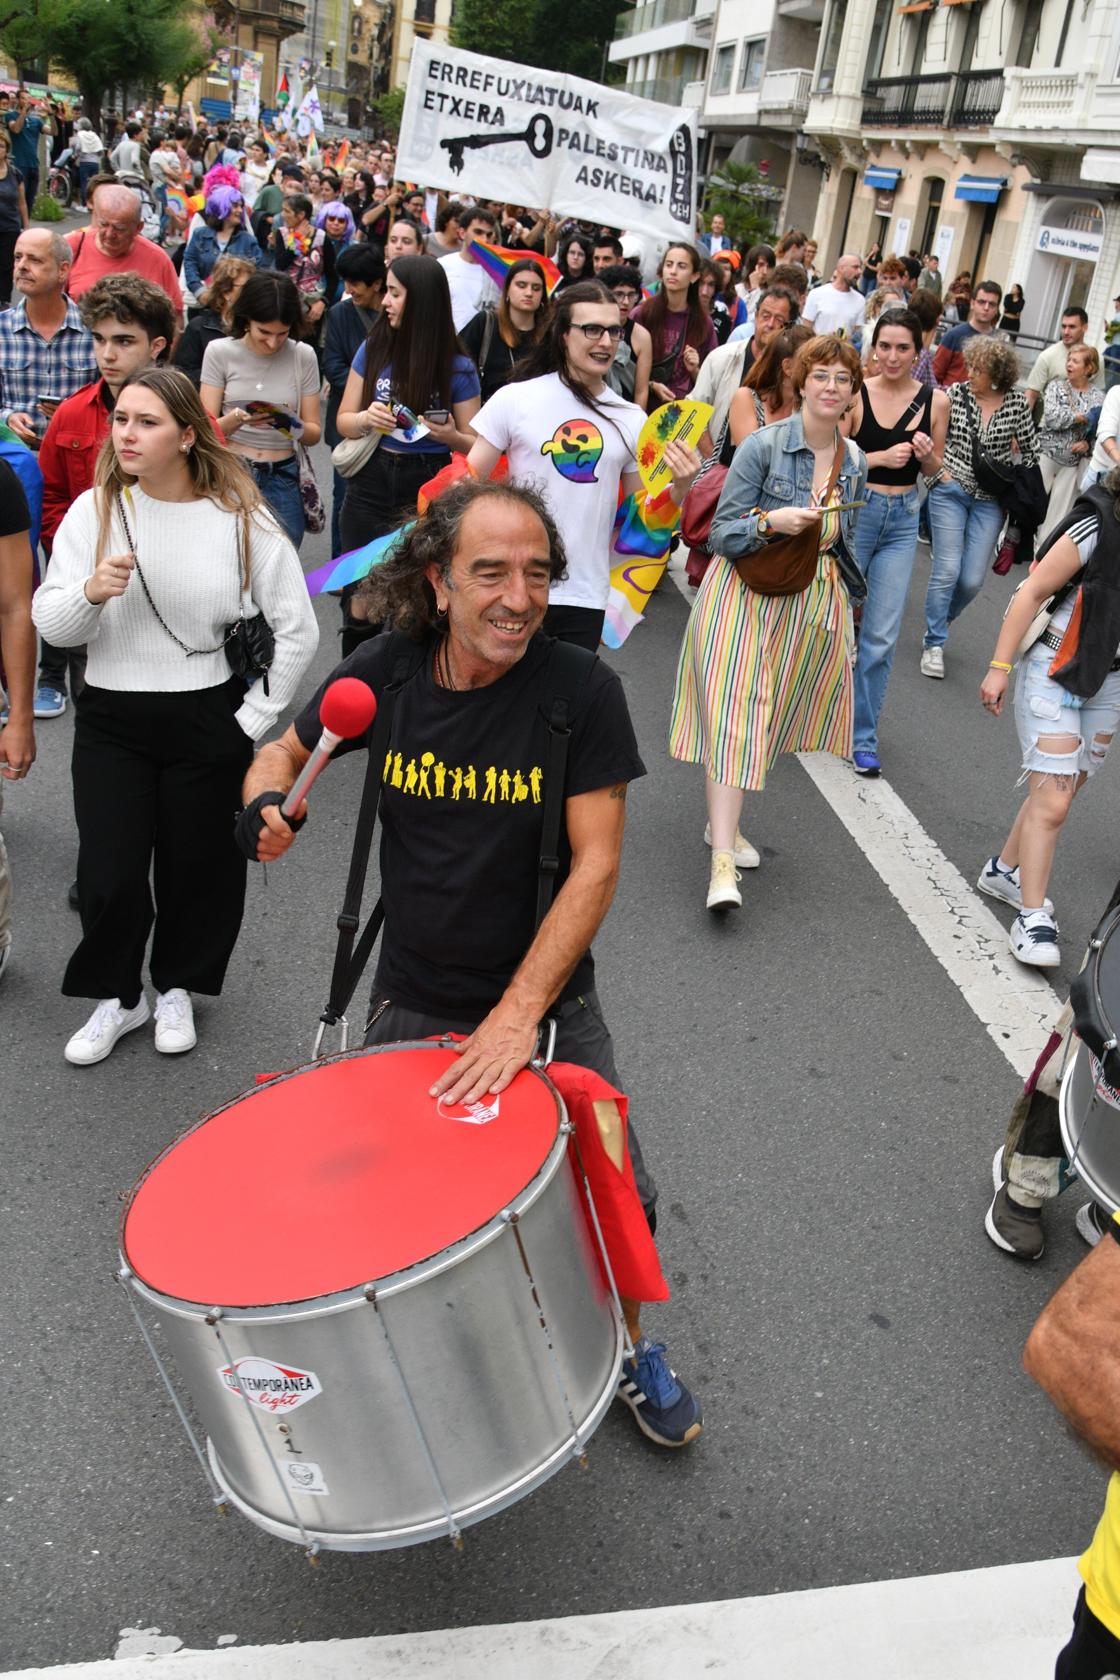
x,y
761,675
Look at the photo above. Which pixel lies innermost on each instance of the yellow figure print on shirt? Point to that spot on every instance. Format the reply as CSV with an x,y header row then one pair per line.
x,y
425,776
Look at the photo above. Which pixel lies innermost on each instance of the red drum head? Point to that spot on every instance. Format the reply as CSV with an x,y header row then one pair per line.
x,y
331,1177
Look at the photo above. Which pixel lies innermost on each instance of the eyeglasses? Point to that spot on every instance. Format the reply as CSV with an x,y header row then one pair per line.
x,y
842,381
591,330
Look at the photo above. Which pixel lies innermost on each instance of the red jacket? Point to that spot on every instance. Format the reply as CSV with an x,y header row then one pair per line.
x,y
68,453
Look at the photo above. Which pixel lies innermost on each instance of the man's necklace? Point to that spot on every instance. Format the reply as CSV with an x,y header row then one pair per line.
x,y
443,672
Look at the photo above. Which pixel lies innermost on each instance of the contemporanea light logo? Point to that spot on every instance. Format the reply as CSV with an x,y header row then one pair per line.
x,y
272,1387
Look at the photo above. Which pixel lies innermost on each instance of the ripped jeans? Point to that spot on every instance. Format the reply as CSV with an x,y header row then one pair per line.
x,y
1044,708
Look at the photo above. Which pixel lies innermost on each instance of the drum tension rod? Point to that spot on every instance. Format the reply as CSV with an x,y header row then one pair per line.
x,y
579,1451
311,1547
628,1346
454,1532
218,1500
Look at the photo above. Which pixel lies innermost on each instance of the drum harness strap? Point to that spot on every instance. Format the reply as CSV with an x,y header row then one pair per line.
x,y
566,674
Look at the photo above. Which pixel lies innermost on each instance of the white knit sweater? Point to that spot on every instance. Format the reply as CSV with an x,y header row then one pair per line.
x,y
188,551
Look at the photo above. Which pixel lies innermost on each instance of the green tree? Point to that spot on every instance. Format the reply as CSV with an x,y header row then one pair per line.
x,y
388,109
573,36
502,28
739,194
190,47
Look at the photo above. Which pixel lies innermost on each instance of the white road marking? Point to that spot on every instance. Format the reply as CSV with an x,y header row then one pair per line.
x,y
1016,1005
1006,1623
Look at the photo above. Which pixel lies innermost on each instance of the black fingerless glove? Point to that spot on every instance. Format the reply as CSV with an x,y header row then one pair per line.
x,y
250,823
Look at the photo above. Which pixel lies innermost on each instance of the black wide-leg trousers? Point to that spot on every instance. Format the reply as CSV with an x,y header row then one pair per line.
x,y
157,786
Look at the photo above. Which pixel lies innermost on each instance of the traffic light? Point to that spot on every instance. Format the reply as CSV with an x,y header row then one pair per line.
x,y
330,58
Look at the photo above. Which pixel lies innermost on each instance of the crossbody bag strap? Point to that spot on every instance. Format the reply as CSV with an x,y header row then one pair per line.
x,y
189,651
567,676
350,959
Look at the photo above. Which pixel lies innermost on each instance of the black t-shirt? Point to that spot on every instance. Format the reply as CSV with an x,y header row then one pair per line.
x,y
14,513
461,814
500,358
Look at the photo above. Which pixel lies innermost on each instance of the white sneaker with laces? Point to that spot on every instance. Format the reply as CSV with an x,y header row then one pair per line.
x,y
745,855
933,662
93,1042
1034,939
1002,883
723,890
174,1022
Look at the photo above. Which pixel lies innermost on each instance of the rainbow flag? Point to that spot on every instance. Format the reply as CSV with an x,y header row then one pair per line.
x,y
353,566
497,260
643,533
177,201
342,152
314,152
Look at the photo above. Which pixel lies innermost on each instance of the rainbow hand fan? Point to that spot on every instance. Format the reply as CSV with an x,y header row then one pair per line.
x,y
643,534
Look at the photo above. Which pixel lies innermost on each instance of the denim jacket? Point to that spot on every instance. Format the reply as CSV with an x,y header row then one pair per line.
x,y
774,468
203,252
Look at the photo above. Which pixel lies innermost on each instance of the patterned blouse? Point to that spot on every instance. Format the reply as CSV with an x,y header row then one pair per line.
x,y
1011,420
1058,434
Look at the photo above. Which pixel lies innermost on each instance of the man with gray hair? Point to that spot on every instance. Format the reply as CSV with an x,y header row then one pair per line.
x,y
46,354
113,244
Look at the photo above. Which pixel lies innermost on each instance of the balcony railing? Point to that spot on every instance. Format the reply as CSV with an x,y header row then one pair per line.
x,y
786,91
1047,100
977,99
651,16
907,102
292,12
667,90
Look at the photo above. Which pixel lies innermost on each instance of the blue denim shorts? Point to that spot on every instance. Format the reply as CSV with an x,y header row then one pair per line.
x,y
1044,707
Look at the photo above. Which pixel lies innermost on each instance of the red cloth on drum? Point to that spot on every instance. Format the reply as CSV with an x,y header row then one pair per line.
x,y
626,1233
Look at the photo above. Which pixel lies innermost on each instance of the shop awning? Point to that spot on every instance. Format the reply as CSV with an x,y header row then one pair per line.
x,y
980,189
918,6
883,180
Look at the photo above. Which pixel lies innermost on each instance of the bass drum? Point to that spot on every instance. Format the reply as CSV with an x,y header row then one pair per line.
x,y
388,1313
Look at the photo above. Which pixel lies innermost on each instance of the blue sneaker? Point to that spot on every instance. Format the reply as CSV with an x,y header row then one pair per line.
x,y
866,763
665,1410
49,702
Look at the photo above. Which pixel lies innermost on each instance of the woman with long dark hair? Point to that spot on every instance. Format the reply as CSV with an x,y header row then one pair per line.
x,y
575,260
575,440
497,339
674,317
262,362
149,569
411,383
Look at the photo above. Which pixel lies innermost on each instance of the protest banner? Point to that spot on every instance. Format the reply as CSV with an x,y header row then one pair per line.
x,y
484,126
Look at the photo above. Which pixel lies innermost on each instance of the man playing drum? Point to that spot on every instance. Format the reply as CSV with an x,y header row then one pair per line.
x,y
462,805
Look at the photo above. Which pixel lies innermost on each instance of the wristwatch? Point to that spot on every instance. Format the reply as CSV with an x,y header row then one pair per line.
x,y
763,525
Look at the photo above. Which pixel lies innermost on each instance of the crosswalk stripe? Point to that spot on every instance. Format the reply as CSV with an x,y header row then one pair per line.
x,y
1005,1623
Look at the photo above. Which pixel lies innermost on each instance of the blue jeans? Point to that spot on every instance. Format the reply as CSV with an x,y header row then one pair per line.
x,y
87,169
278,483
965,532
884,545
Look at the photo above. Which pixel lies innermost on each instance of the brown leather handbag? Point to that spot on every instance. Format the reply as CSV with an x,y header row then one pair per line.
x,y
787,567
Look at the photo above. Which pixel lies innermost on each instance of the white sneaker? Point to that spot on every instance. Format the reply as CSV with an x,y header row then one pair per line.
x,y
745,855
1002,883
174,1022
723,890
1034,939
933,662
93,1042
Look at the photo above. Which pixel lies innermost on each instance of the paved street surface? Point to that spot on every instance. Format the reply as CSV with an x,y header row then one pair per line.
x,y
820,1082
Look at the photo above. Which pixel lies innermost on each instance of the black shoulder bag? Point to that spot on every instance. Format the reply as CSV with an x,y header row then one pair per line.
x,y
566,676
248,644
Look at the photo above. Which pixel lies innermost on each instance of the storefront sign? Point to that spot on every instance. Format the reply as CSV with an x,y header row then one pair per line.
x,y
884,203
1070,242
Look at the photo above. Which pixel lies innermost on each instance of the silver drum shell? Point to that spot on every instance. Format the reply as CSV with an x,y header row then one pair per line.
x,y
444,1397
1090,1125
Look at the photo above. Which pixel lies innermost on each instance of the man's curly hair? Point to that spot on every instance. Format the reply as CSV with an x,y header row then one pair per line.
x,y
398,589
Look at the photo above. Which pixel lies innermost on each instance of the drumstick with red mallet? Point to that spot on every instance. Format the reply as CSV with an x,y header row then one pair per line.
x,y
347,709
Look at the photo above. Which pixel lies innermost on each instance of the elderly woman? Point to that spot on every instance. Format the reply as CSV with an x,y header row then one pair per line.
x,y
1069,407
762,674
224,235
985,412
88,147
338,224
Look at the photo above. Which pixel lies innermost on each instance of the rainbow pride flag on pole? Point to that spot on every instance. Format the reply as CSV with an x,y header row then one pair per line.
x,y
497,260
354,565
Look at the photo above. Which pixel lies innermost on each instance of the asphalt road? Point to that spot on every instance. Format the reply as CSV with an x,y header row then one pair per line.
x,y
820,1107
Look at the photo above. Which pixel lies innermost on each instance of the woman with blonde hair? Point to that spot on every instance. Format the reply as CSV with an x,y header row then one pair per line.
x,y
761,674
1069,407
988,418
151,569
214,318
